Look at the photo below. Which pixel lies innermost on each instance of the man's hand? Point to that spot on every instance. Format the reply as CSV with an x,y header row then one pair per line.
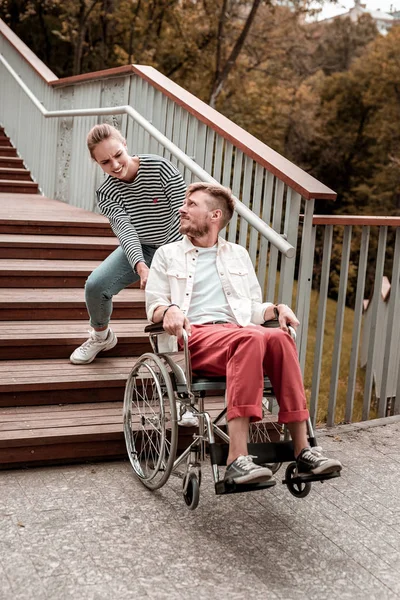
x,y
175,321
286,317
143,271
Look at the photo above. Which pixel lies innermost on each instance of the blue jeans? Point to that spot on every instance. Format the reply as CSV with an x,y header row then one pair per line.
x,y
113,275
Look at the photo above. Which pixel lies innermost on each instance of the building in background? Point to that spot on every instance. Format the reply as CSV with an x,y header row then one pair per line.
x,y
384,21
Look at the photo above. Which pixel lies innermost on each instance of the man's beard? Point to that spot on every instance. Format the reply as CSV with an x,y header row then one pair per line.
x,y
193,231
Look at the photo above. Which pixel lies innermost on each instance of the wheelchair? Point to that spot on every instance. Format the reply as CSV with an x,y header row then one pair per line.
x,y
159,389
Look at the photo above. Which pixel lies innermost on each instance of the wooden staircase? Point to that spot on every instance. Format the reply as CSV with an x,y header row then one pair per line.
x,y
50,410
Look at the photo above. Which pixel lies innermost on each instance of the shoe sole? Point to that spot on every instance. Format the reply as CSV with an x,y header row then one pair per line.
x,y
327,470
323,471
87,362
251,479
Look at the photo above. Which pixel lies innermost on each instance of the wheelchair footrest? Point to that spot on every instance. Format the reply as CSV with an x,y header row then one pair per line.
x,y
230,487
311,477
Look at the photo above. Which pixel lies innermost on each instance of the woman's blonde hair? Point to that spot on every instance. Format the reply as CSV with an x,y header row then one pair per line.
x,y
101,132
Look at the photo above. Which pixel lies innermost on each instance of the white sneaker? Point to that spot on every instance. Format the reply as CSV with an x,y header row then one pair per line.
x,y
187,419
86,353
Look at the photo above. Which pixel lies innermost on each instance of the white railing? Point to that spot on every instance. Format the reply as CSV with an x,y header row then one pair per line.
x,y
360,380
252,219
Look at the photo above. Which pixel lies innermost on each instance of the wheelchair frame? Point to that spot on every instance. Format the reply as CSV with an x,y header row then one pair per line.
x,y
155,386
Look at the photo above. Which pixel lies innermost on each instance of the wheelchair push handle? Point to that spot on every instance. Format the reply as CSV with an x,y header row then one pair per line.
x,y
157,329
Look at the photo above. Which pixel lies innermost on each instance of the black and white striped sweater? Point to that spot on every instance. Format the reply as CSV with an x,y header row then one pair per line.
x,y
146,210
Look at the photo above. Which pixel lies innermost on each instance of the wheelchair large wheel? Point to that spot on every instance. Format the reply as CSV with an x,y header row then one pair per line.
x,y
266,431
150,423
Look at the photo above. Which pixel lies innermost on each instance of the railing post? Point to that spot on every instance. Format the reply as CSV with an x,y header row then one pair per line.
x,y
392,327
266,217
341,303
358,311
397,399
369,378
319,337
276,224
293,202
305,279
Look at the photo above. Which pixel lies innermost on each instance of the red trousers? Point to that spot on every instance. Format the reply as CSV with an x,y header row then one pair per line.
x,y
245,355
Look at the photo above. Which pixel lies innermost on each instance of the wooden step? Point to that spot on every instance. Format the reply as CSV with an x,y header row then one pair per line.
x,y
23,273
63,304
58,339
12,173
56,247
19,187
58,381
59,434
7,151
34,214
26,273
50,435
11,161
5,141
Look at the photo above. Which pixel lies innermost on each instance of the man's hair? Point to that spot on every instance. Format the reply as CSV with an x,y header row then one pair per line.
x,y
102,132
219,197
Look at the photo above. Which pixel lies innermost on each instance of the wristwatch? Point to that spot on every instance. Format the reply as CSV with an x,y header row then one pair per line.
x,y
273,322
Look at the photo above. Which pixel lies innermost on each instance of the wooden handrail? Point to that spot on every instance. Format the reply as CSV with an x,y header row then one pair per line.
x,y
356,220
31,58
296,178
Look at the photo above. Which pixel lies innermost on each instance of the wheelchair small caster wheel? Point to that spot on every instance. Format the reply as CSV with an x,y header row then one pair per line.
x,y
295,485
191,494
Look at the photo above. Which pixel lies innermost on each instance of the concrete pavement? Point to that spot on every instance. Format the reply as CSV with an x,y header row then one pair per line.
x,y
92,532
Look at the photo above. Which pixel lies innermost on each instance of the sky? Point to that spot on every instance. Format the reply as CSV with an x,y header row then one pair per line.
x,y
342,6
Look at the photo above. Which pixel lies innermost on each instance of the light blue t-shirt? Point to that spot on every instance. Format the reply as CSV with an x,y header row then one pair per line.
x,y
208,292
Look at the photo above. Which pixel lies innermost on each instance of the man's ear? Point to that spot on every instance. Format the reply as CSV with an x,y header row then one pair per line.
x,y
216,214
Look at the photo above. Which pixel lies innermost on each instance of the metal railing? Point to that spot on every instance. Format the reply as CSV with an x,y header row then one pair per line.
x,y
363,377
251,218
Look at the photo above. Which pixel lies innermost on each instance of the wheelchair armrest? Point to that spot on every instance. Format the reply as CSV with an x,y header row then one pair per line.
x,y
154,328
270,323
275,323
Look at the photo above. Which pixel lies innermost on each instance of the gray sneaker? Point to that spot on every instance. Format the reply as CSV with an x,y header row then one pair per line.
x,y
86,353
312,462
244,470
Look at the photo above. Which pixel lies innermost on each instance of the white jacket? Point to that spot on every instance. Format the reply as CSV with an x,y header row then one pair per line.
x,y
172,272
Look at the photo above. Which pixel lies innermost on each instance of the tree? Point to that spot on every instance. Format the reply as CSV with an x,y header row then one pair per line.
x,y
223,68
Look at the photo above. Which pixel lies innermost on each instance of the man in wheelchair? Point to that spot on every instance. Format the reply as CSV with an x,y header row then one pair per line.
x,y
208,287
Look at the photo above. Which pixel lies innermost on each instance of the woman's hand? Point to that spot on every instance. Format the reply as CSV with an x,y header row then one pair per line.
x,y
143,271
